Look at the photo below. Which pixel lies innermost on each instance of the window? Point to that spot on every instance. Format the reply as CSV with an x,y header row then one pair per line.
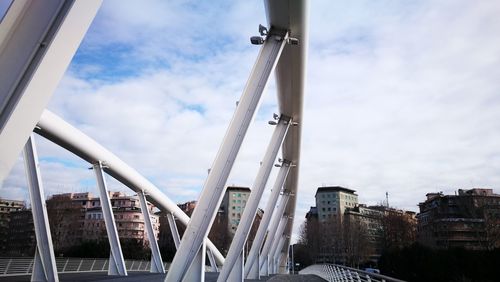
x,y
239,195
234,207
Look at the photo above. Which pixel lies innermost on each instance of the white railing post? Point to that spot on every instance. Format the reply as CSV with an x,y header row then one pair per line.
x,y
44,267
214,187
156,261
116,261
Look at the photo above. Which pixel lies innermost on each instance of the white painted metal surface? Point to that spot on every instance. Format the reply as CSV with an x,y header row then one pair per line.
x,y
63,134
290,80
37,41
273,229
247,219
196,271
173,229
44,268
117,262
277,254
156,261
253,255
274,246
214,187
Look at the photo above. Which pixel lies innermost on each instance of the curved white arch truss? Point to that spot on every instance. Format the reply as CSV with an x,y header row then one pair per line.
x,y
65,135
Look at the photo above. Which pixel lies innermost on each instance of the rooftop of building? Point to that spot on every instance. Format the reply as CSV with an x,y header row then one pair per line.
x,y
484,192
7,202
238,188
334,189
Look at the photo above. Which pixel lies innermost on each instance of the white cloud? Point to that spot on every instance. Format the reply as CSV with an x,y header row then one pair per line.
x,y
400,97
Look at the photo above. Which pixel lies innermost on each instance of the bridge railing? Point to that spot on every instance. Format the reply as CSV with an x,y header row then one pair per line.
x,y
333,272
10,266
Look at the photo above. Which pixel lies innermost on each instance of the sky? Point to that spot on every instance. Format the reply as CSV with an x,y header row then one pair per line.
x,y
401,97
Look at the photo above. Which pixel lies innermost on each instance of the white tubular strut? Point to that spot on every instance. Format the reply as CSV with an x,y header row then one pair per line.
x,y
273,228
156,261
251,265
214,187
116,261
44,268
241,235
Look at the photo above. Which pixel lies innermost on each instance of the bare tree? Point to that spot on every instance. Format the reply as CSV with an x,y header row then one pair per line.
x,y
398,229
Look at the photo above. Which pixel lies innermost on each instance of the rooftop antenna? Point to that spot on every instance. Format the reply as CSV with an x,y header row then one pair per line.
x,y
387,198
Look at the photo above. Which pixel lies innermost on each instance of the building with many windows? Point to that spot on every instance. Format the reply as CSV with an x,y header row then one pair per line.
x,y
77,217
469,219
233,204
331,202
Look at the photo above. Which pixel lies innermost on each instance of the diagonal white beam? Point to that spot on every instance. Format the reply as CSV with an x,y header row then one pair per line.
x,y
273,228
173,229
156,261
277,254
37,41
276,239
214,187
116,261
253,255
45,262
241,235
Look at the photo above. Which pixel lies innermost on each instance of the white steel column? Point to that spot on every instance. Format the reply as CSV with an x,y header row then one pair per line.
x,y
241,235
37,41
277,237
236,274
44,268
251,265
173,229
116,261
277,254
196,271
156,261
214,187
277,215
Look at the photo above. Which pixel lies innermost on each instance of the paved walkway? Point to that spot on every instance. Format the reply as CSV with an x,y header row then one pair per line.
x,y
149,277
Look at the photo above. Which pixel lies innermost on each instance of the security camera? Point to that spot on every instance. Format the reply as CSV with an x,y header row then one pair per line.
x,y
257,40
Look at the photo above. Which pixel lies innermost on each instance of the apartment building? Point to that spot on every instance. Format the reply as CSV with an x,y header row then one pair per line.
x,y
469,219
